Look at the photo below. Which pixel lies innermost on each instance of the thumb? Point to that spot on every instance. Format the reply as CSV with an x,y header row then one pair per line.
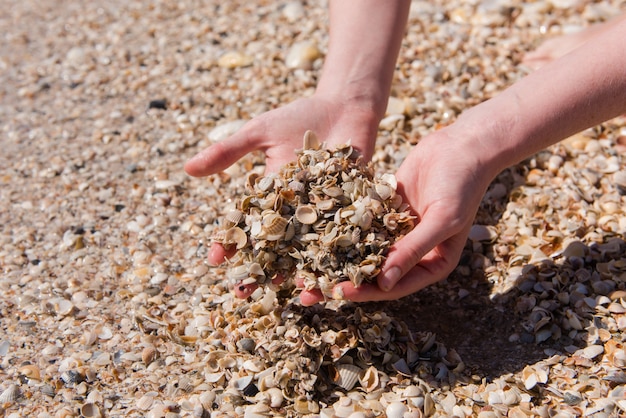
x,y
221,155
408,251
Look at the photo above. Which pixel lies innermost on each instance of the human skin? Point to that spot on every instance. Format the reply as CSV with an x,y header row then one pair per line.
x,y
446,174
556,47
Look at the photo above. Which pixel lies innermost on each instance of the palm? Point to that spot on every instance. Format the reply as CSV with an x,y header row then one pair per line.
x,y
279,133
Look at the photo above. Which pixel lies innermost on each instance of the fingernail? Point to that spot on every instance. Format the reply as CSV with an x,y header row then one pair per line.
x,y
390,278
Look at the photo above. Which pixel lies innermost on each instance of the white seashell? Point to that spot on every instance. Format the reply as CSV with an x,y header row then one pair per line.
x,y
396,410
302,55
592,351
265,183
90,409
293,11
145,402
306,214
370,379
234,59
235,236
10,394
234,216
347,375
225,130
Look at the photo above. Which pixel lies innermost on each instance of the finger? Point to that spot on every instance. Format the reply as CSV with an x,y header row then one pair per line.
x,y
407,252
242,291
218,254
311,297
416,279
221,155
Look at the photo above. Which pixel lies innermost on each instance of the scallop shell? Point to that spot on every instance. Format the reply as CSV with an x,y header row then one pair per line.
x,y
31,371
274,226
89,410
346,375
236,236
306,214
10,394
234,216
265,183
146,401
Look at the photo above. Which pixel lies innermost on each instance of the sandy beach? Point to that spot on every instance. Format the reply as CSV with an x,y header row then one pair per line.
x,y
109,308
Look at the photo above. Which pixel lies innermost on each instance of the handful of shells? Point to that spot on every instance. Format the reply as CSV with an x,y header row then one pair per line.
x,y
326,217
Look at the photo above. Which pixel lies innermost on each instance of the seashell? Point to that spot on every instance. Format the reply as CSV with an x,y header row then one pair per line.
x,y
531,376
296,186
310,141
185,384
145,402
396,410
370,379
274,226
247,344
325,205
275,397
149,354
225,130
302,55
242,382
10,394
234,216
385,191
333,191
485,233
30,371
592,351
346,375
48,390
71,377
90,409
306,214
234,59
265,183
235,236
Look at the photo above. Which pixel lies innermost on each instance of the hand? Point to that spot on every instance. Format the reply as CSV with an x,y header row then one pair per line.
x,y
443,182
279,133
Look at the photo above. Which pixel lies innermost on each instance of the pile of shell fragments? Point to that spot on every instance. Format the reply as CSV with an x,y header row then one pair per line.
x,y
325,216
107,304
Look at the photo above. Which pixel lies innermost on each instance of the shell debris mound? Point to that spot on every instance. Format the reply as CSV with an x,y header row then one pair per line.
x,y
326,217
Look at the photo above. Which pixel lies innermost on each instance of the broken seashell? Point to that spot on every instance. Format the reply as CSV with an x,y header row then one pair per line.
x,y
306,214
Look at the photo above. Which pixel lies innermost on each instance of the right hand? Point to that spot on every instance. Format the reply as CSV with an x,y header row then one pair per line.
x,y
278,133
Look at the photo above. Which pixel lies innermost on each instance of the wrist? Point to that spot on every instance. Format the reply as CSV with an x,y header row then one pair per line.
x,y
490,132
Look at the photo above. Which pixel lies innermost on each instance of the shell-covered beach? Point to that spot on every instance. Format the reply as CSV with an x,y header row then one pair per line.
x,y
109,308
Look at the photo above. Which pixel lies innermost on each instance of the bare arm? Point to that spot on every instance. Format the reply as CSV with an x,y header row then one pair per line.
x,y
579,90
446,174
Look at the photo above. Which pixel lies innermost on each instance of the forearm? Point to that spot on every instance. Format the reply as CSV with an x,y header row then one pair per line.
x,y
365,38
580,90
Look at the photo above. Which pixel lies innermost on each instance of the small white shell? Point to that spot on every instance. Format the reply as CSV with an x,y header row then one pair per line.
x,y
347,375
306,214
10,394
89,410
237,236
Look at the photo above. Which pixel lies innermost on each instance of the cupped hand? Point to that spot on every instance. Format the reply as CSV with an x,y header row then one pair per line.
x,y
278,134
443,182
